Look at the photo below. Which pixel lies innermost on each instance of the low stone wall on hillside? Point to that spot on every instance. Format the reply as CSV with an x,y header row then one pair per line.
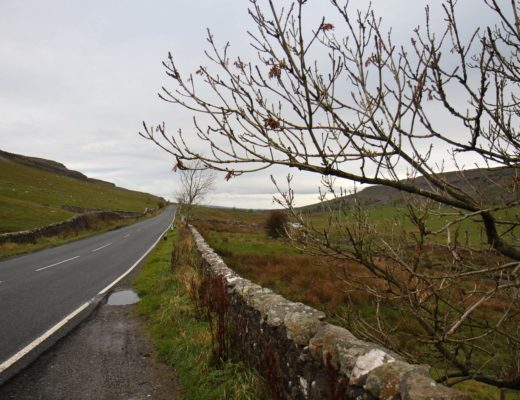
x,y
79,222
303,357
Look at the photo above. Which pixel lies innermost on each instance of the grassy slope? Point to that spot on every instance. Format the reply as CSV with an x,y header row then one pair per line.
x,y
31,197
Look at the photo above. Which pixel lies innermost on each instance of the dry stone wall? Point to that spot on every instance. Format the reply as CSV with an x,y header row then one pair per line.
x,y
79,222
303,357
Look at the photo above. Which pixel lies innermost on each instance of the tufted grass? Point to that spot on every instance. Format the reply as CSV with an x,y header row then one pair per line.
x,y
180,334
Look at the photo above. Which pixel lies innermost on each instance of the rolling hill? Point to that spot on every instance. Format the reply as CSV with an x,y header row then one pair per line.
x,y
493,183
36,192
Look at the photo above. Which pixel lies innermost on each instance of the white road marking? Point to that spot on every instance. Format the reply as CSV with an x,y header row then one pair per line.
x,y
135,265
102,247
58,263
126,235
27,349
6,364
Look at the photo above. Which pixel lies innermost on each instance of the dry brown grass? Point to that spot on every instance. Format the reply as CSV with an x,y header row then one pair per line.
x,y
326,284
300,278
322,282
204,226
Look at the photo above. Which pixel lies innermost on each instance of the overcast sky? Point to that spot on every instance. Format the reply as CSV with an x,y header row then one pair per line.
x,y
78,77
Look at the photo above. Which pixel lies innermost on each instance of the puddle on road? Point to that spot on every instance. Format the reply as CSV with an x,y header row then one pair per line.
x,y
123,298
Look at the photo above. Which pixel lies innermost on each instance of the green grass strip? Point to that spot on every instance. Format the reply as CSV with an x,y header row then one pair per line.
x,y
181,336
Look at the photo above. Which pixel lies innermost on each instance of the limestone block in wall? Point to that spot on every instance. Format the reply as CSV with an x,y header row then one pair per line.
x,y
253,294
265,301
384,382
238,284
421,387
302,323
278,311
400,380
353,358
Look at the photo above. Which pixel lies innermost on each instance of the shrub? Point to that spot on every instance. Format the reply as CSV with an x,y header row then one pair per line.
x,y
276,224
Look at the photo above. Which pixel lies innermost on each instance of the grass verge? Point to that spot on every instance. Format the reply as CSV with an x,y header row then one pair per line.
x,y
180,334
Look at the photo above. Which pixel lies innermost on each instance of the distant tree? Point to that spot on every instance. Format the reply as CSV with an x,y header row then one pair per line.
x,y
349,104
161,203
194,185
277,224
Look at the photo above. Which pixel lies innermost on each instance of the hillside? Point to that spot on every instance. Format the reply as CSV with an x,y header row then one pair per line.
x,y
493,183
34,192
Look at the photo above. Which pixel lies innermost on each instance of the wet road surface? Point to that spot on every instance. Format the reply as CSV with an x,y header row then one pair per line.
x,y
39,290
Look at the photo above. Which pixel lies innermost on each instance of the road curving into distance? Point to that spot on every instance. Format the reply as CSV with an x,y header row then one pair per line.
x,y
40,293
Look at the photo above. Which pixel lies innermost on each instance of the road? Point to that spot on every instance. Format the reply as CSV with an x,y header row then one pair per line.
x,y
40,290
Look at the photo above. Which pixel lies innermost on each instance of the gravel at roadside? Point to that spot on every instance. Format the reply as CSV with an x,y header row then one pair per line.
x,y
108,356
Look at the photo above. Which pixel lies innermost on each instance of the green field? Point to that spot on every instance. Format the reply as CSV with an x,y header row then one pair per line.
x,y
319,281
32,197
387,220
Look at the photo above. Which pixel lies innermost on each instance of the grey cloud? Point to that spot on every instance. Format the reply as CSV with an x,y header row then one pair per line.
x,y
77,78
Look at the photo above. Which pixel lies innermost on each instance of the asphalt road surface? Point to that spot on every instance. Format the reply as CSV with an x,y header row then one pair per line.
x,y
39,290
108,356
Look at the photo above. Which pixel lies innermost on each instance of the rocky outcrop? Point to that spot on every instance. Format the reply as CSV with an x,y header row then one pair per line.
x,y
49,166
41,163
492,184
304,357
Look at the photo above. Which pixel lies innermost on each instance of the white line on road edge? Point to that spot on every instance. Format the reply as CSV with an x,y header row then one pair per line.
x,y
102,247
136,263
6,364
58,263
126,235
27,349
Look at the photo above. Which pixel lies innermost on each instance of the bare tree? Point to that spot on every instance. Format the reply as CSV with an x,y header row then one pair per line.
x,y
195,185
361,108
